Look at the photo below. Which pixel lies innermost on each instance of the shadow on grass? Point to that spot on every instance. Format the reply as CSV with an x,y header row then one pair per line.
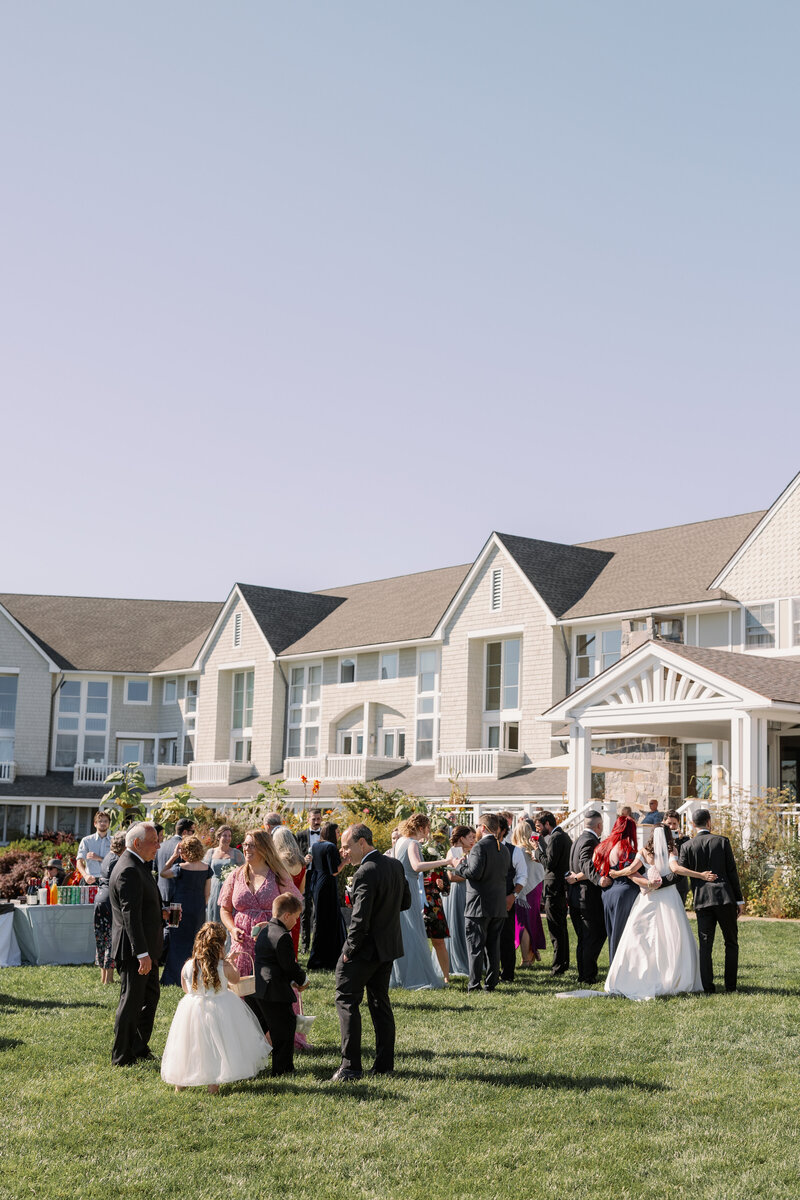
x,y
457,1008
24,1002
458,1055
541,1079
306,1085
9,1043
761,990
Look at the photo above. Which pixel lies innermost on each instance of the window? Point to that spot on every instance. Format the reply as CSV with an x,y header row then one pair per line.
x,y
81,723
13,820
427,704
137,691
237,630
242,700
759,625
390,665
506,735
305,690
497,589
351,741
584,656
170,691
502,675
73,820
242,749
347,670
795,625
595,651
697,770
612,647
191,695
394,743
8,716
670,630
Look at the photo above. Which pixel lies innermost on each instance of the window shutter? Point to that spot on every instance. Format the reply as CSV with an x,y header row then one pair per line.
x,y
237,629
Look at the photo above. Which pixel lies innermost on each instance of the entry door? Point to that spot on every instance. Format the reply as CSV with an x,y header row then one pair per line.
x,y
790,771
351,743
130,752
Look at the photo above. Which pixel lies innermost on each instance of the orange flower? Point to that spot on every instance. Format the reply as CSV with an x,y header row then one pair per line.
x,y
315,787
303,779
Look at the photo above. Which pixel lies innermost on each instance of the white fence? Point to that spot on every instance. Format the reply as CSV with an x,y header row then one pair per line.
x,y
98,772
7,772
295,768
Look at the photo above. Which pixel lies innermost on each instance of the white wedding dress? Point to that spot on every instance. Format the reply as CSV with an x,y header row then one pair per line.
x,y
657,954
213,1038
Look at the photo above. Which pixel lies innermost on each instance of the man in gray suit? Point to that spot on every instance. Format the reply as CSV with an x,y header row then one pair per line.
x,y
485,869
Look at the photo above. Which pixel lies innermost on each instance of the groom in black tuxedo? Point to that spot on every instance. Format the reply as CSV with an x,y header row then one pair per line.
x,y
137,940
379,893
719,903
554,851
486,870
584,891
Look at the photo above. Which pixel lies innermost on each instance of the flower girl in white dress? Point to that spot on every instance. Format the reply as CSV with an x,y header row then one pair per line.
x,y
214,1038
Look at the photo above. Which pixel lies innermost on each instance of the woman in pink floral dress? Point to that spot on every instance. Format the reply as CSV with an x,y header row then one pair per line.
x,y
246,900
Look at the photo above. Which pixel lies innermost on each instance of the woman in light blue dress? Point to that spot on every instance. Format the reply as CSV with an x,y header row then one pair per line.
x,y
415,969
462,840
221,859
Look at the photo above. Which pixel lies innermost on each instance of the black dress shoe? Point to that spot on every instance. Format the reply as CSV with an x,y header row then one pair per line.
x,y
558,971
381,1071
343,1075
145,1056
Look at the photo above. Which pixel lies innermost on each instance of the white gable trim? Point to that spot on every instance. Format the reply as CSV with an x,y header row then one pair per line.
x,y
234,598
785,495
493,543
620,687
54,670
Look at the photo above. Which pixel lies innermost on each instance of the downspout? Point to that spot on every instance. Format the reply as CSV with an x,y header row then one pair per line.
x,y
567,673
285,711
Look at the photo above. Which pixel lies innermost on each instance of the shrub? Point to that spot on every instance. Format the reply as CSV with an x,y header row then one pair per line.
x,y
767,852
16,868
65,847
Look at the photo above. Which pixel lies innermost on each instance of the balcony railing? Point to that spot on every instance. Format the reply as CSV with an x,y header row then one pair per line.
x,y
479,764
98,772
8,771
340,768
209,773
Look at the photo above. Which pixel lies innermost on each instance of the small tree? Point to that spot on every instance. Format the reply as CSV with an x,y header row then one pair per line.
x,y
123,800
172,805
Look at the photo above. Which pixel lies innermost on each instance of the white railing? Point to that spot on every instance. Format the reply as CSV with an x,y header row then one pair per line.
x,y
472,764
208,772
7,772
345,766
98,772
295,768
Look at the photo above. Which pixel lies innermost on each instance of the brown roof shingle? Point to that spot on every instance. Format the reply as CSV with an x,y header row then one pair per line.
x,y
776,679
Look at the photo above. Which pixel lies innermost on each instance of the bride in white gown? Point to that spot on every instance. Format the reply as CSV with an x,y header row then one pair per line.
x,y
657,954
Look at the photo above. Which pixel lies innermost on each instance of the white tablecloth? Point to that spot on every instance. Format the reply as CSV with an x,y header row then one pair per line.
x,y
55,933
9,947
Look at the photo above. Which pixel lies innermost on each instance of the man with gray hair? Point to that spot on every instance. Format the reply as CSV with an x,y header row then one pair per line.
x,y
272,821
137,940
584,892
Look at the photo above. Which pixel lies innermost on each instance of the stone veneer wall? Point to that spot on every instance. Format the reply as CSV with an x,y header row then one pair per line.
x,y
660,774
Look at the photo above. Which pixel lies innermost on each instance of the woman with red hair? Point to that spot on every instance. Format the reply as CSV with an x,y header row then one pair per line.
x,y
615,853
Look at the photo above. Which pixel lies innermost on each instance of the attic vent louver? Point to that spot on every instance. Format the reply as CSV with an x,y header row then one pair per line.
x,y
237,629
497,589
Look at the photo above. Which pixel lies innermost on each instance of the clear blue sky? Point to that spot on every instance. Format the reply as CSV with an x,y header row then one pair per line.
x,y
304,294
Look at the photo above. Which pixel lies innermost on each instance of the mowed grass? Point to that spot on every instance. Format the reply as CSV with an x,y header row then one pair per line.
x,y
514,1095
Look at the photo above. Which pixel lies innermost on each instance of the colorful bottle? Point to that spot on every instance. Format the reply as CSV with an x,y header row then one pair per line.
x,y
53,893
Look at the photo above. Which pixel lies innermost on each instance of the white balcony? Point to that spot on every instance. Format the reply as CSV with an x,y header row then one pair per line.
x,y
341,768
205,774
479,764
96,773
8,771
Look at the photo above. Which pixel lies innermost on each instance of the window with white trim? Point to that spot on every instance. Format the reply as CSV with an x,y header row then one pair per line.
x,y
347,670
350,741
237,630
191,695
81,723
137,690
390,664
759,625
305,692
242,716
8,716
502,675
595,651
497,589
170,691
393,744
796,622
427,724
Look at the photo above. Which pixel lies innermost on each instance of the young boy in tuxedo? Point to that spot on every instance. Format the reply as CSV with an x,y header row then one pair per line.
x,y
276,969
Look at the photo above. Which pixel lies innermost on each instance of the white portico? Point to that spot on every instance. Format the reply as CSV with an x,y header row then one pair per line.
x,y
746,706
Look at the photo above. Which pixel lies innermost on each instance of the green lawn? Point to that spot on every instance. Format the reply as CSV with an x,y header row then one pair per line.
x,y
513,1095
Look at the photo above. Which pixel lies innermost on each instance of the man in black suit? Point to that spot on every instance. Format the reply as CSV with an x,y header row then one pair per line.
x,y
137,940
276,968
307,838
718,903
554,850
486,870
516,879
672,821
165,852
380,892
584,892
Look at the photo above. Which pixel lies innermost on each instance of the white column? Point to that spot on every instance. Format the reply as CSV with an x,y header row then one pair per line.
x,y
366,729
579,783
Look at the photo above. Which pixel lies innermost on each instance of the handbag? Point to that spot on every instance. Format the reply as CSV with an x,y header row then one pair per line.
x,y
247,983
304,1021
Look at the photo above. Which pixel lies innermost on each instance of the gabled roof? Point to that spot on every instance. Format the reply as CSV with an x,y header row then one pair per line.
x,y
89,633
741,550
285,616
402,609
560,574
775,679
662,567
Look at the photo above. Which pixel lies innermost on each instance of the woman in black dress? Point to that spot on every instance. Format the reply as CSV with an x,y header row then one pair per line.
x,y
192,888
102,911
329,931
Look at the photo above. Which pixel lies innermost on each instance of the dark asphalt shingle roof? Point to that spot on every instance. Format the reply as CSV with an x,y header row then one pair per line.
x,y
285,616
561,574
92,633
